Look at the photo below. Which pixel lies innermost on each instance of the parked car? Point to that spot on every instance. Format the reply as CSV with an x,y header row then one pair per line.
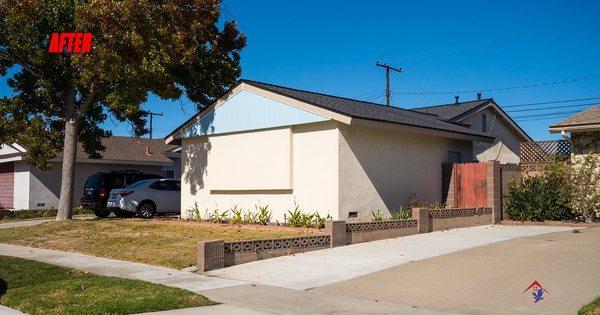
x,y
98,186
147,198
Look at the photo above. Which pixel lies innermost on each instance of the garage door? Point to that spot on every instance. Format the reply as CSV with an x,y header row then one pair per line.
x,y
7,176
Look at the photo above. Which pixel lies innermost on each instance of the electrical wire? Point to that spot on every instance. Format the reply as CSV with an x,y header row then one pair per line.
x,y
549,107
553,102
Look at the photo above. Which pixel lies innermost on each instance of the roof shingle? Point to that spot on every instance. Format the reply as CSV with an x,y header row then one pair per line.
x,y
452,111
590,116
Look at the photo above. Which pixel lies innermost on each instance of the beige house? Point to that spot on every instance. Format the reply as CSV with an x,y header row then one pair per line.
x,y
486,116
263,144
23,186
584,128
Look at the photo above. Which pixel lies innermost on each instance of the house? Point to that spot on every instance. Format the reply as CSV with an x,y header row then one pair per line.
x,y
23,186
486,116
263,144
584,128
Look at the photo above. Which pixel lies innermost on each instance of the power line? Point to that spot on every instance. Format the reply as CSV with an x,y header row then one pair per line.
x,y
549,107
525,86
387,68
553,102
547,114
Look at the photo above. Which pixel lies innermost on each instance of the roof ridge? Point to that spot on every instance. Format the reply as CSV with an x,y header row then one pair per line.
x,y
339,97
455,104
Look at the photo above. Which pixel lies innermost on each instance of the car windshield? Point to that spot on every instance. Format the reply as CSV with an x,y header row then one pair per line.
x,y
137,184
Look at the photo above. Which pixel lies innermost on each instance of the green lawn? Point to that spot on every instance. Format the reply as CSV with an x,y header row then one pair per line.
x,y
591,309
39,288
164,243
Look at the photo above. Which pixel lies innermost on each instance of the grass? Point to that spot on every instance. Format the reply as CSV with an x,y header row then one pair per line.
x,y
164,243
591,309
39,288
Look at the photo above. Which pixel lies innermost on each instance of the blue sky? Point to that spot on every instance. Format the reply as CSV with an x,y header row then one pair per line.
x,y
332,46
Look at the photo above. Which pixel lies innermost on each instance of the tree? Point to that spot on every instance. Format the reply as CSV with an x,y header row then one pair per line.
x,y
168,48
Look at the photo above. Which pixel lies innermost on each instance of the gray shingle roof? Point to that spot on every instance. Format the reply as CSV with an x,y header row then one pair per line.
x,y
366,110
590,116
452,111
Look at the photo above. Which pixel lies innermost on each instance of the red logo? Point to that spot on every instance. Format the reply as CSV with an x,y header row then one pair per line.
x,y
77,43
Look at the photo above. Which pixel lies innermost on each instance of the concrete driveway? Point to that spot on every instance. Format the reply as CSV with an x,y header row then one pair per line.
x,y
491,279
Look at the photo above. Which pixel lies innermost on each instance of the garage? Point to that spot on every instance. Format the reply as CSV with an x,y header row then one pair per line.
x,y
7,171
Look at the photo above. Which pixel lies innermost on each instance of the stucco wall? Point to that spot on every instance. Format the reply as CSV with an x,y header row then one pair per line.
x,y
506,146
278,167
379,169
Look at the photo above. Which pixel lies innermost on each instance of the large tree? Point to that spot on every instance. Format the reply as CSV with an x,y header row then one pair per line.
x,y
170,48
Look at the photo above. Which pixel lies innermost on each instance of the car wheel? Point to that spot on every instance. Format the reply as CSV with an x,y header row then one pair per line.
x,y
102,213
146,210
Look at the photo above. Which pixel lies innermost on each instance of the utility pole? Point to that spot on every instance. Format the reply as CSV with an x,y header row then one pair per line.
x,y
387,68
151,118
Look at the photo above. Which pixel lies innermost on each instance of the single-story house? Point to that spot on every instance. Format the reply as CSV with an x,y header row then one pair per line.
x,y
263,144
23,186
584,128
487,116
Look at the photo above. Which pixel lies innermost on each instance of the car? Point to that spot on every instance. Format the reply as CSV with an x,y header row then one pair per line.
x,y
98,186
147,198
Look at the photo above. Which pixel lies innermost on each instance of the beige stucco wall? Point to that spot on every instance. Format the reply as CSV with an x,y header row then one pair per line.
x,y
379,169
506,146
280,167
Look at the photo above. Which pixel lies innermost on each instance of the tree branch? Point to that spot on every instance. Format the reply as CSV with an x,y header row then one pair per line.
x,y
88,101
22,64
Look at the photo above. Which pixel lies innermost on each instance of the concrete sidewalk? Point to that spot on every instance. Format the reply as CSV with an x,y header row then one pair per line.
x,y
118,268
23,223
319,268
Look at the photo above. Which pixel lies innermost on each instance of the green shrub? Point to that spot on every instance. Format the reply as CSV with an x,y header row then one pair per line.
x,y
376,216
540,198
236,215
401,214
293,218
264,215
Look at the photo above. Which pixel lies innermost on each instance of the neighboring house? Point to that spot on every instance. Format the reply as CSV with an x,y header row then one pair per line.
x,y
486,116
584,128
23,186
262,144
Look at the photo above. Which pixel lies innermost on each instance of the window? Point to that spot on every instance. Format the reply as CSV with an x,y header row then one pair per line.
x,y
484,122
353,214
454,157
168,174
161,185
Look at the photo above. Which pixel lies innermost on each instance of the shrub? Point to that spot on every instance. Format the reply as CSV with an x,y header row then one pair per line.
x,y
543,197
263,215
416,202
293,218
585,187
401,214
236,215
376,216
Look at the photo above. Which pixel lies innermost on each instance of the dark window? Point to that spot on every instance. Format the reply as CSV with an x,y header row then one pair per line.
x,y
169,174
454,157
177,186
353,214
484,122
94,181
117,181
161,185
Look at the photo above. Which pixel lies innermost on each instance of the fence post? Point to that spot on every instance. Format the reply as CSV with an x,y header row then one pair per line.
x,y
210,255
421,214
337,232
494,190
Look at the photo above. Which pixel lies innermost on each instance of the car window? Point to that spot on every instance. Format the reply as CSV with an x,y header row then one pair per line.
x,y
161,185
137,184
116,181
94,181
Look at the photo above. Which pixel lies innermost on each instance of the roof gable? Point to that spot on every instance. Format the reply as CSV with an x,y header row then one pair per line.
x,y
453,111
248,111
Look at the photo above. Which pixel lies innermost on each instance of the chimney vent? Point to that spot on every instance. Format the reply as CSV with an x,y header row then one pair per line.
x,y
478,96
456,99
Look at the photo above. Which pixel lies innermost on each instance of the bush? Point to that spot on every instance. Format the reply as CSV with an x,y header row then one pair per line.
x,y
543,197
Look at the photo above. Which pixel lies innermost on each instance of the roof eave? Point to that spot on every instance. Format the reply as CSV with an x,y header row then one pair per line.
x,y
574,127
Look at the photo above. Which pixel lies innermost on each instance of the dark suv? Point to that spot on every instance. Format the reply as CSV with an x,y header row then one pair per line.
x,y
98,186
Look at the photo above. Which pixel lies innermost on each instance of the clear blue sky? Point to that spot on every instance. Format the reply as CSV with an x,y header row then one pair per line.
x,y
332,46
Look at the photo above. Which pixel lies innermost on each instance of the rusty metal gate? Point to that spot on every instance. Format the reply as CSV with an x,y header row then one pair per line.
x,y
470,186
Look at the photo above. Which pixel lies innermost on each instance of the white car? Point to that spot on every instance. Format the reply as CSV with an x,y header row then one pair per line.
x,y
147,197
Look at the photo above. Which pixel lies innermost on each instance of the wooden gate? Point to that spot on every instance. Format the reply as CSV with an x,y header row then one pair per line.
x,y
470,186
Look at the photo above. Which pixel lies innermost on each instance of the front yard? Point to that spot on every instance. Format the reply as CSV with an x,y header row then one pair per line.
x,y
164,243
39,288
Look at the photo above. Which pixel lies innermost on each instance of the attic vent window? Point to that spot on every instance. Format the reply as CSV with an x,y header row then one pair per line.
x,y
484,122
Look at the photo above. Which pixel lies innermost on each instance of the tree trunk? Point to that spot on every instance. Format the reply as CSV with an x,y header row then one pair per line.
x,y
65,204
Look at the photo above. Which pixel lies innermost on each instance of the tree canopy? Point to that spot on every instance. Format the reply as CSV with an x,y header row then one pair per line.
x,y
168,48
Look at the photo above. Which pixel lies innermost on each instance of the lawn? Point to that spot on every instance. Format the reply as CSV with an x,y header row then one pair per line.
x,y
39,288
591,309
163,243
